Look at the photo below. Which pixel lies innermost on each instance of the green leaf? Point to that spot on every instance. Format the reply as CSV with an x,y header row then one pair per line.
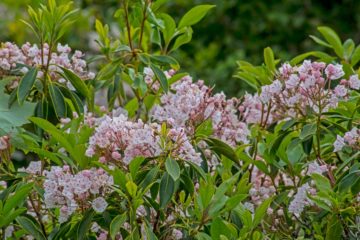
x,y
164,60
320,55
348,181
134,166
194,15
308,130
169,27
18,197
56,134
58,101
76,81
205,129
333,39
116,224
320,42
131,188
132,107
8,218
172,167
218,228
334,228
182,39
149,178
321,182
85,224
356,56
30,227
222,148
16,116
25,85
269,59
161,77
261,211
167,188
348,47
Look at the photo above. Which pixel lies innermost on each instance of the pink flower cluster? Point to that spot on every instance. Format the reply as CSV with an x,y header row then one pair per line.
x,y
32,55
262,187
351,139
70,192
297,89
119,140
190,104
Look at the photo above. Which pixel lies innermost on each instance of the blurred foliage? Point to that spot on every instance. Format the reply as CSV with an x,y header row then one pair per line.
x,y
236,29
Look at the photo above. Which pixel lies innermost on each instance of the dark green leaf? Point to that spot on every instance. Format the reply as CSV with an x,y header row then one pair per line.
x,y
76,81
172,167
308,130
85,224
58,101
334,228
167,188
116,224
222,148
32,228
25,85
347,182
161,77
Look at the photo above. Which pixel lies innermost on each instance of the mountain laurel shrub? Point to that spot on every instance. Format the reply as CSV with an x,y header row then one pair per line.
x,y
124,145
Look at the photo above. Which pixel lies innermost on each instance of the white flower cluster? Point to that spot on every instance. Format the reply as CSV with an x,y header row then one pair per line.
x,y
314,167
69,191
301,199
119,140
32,55
190,104
297,89
351,139
34,168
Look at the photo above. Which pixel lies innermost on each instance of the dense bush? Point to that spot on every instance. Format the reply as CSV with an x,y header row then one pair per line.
x,y
135,149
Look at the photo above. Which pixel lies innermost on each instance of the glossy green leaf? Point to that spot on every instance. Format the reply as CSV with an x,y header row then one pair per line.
x,y
161,77
17,198
334,228
76,81
194,15
349,180
261,211
116,224
269,59
308,130
25,85
85,224
333,39
172,167
15,116
58,101
167,188
356,56
30,227
182,39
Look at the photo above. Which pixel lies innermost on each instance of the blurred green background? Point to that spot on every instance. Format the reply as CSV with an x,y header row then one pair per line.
x,y
234,30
